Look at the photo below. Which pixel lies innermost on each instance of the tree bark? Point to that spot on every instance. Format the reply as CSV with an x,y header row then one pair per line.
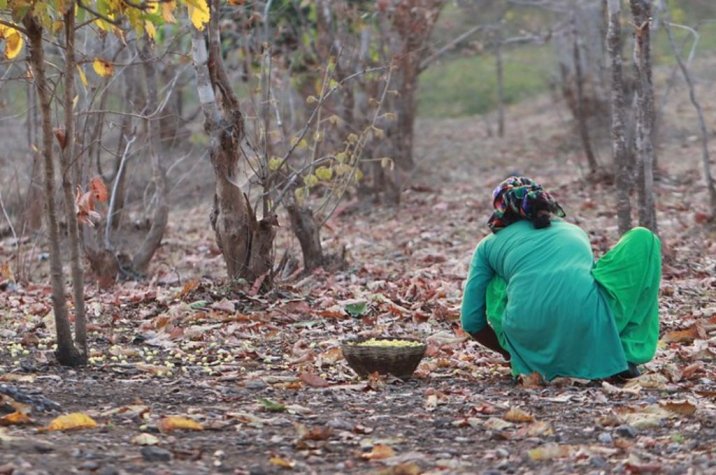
x,y
245,243
641,12
68,156
619,148
66,352
500,86
154,236
581,110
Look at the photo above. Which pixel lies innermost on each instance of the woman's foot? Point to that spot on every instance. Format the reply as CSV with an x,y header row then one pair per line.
x,y
631,372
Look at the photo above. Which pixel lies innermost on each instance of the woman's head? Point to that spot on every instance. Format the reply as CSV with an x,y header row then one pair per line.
x,y
518,198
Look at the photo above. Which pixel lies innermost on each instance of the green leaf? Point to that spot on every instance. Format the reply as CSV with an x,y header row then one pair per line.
x,y
357,309
310,180
198,304
272,406
275,163
324,173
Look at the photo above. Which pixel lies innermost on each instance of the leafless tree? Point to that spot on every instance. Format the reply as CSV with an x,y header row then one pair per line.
x,y
641,14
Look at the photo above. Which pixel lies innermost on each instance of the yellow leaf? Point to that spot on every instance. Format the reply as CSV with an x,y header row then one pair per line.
x,y
282,462
301,194
153,7
379,452
83,76
13,42
170,423
333,84
516,414
275,163
549,452
310,180
15,419
199,14
343,169
102,67
73,421
168,11
311,100
379,134
149,28
352,138
324,173
341,157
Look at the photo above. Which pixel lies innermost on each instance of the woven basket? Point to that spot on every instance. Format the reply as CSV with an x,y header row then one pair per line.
x,y
399,361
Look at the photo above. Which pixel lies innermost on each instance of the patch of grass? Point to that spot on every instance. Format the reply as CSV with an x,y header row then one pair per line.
x,y
467,86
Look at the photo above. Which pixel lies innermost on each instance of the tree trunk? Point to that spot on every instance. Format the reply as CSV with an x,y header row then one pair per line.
x,y
588,19
67,156
581,110
304,226
154,236
619,147
641,12
500,87
66,352
245,243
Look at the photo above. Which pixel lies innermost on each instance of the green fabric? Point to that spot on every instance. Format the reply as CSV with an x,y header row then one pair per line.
x,y
548,309
630,274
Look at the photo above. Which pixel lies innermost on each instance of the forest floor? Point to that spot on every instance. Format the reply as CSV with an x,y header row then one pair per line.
x,y
264,377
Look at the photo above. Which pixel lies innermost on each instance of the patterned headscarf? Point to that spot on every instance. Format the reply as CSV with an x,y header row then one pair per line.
x,y
517,198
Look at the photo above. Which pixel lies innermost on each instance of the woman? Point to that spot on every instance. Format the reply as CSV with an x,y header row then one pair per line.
x,y
551,309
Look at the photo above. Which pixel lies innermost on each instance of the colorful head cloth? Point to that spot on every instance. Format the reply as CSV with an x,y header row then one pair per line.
x,y
517,198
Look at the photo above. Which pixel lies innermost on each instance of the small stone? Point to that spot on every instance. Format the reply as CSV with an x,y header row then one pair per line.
x,y
597,461
605,438
625,431
108,470
502,453
257,470
156,454
90,465
339,424
256,384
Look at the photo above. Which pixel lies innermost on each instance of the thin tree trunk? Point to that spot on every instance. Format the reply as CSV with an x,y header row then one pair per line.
x,y
66,352
500,87
154,236
702,123
67,156
581,112
641,12
619,148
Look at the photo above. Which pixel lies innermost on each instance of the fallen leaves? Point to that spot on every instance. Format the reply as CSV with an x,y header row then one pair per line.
x,y
172,423
516,414
145,439
549,452
379,452
15,419
313,380
73,421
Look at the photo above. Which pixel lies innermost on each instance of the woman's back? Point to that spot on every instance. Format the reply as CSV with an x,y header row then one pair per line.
x,y
556,320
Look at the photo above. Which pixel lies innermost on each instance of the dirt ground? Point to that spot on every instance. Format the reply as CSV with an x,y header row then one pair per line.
x,y
264,378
